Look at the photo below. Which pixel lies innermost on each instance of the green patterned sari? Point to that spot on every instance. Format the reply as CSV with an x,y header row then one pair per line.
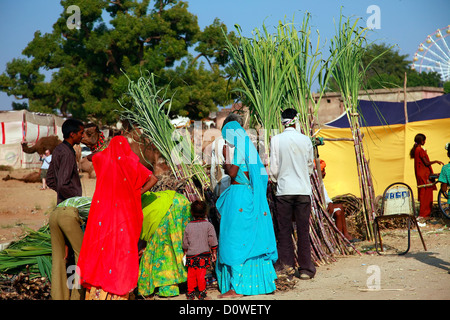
x,y
161,265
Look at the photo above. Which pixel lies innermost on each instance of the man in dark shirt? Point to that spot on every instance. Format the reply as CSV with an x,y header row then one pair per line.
x,y
62,175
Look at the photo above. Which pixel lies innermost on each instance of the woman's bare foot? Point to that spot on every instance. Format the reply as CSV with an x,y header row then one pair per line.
x,y
229,294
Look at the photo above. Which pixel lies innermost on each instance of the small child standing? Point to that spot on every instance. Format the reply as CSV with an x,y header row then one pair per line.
x,y
199,245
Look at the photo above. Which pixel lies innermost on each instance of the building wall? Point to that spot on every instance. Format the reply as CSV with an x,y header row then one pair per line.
x,y
331,104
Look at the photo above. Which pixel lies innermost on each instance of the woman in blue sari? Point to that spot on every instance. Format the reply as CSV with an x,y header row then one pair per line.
x,y
247,245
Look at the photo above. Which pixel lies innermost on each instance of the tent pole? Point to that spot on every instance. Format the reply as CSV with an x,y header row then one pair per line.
x,y
404,100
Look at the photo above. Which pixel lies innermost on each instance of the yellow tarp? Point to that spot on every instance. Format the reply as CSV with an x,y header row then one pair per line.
x,y
387,150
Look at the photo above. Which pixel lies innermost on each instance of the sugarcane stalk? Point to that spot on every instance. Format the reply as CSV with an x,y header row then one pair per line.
x,y
148,112
276,72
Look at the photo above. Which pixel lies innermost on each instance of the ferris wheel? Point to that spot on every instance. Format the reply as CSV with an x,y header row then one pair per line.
x,y
434,54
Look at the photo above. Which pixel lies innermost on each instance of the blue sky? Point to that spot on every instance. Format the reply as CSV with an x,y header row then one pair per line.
x,y
405,23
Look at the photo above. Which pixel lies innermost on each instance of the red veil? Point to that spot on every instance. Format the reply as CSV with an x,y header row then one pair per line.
x,y
109,254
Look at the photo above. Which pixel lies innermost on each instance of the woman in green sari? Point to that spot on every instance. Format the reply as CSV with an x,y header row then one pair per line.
x,y
161,269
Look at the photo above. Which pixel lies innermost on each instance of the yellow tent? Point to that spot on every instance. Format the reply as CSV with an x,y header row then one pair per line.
x,y
388,138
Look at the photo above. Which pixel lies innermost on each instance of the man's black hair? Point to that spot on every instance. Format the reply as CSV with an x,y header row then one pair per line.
x,y
233,117
289,113
71,125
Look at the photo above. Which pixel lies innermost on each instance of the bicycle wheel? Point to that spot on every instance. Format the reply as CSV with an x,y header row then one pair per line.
x,y
443,204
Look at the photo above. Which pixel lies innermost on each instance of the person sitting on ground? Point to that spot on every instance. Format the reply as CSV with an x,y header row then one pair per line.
x,y
335,210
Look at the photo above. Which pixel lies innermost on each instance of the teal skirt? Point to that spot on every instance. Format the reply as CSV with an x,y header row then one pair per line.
x,y
247,246
255,276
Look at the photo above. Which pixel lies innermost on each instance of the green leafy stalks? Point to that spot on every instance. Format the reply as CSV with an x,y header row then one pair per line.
x,y
32,253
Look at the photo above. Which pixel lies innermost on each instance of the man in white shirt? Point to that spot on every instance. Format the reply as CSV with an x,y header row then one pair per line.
x,y
291,164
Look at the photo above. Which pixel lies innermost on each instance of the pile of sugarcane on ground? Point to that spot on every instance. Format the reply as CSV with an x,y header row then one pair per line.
x,y
25,267
24,286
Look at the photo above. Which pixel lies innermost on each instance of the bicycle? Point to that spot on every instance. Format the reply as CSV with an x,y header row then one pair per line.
x,y
442,197
443,203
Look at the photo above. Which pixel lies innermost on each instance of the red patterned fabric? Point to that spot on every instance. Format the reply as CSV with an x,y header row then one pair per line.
x,y
109,254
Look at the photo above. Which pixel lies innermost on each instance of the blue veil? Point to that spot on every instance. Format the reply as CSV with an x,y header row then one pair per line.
x,y
245,236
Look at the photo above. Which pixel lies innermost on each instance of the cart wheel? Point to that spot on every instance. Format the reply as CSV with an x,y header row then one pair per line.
x,y
443,204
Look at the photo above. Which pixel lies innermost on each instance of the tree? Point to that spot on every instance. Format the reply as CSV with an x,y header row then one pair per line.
x,y
447,87
388,70
91,65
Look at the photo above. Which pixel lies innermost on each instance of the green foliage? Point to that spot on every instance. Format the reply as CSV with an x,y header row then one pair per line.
x,y
88,64
147,110
34,252
388,70
447,87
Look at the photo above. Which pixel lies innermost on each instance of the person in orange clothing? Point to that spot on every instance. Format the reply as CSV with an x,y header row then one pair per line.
x,y
423,170
335,210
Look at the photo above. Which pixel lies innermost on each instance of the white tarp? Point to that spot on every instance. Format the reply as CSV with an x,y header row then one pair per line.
x,y
20,126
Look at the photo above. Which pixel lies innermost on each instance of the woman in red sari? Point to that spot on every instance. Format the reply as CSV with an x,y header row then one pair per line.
x,y
109,261
423,170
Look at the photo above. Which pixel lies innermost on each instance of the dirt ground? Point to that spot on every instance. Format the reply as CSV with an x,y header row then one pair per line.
x,y
418,275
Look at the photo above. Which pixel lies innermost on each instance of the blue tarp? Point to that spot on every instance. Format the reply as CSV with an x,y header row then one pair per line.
x,y
379,113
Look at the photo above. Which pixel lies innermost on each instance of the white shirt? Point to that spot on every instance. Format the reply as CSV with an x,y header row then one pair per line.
x,y
291,162
327,198
46,162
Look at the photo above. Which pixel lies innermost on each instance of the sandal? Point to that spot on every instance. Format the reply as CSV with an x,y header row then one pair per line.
x,y
202,295
190,296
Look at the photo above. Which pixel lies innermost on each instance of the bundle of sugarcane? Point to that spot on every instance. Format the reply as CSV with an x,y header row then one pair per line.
x,y
349,74
167,181
148,112
275,73
24,286
261,66
308,69
325,227
32,253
